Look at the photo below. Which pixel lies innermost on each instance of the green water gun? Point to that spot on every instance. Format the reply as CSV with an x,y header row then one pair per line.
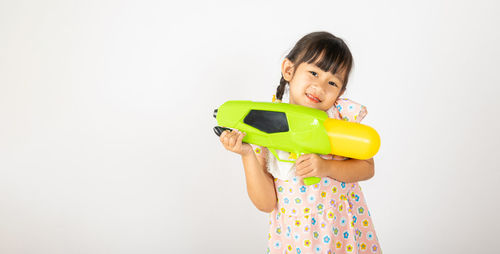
x,y
296,129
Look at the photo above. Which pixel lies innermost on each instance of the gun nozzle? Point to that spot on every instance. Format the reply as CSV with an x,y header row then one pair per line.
x,y
215,113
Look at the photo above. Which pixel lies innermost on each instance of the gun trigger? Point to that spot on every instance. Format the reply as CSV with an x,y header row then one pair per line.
x,y
273,151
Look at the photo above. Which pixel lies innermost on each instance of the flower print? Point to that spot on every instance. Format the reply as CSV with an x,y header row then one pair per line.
x,y
269,236
351,205
257,150
369,235
341,207
326,239
330,215
317,248
335,230
329,252
326,182
316,186
297,223
374,248
363,246
298,251
307,243
290,190
332,202
296,237
313,221
323,194
345,118
278,230
349,248
320,206
365,223
294,179
286,200
287,234
298,200
356,198
339,107
357,235
353,195
280,188
303,189
283,210
277,244
342,184
307,210
334,189
338,245
294,211
306,229
323,225
316,235
342,197
311,198
343,221
346,234
361,210
350,107
289,247
354,218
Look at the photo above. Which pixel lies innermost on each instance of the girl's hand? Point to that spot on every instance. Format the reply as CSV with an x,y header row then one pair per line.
x,y
232,141
309,165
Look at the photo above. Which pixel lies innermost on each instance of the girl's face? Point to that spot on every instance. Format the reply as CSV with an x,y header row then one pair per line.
x,y
312,87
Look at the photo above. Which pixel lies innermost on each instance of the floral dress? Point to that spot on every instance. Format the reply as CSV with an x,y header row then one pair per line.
x,y
328,217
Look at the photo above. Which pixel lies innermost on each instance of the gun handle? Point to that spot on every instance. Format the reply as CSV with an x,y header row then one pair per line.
x,y
311,180
308,180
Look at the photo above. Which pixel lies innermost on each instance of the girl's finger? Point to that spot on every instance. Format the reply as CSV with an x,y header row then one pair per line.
x,y
224,133
303,166
303,158
236,138
303,172
240,138
309,174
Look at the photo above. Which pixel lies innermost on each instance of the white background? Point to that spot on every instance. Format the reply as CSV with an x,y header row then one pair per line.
x,y
106,141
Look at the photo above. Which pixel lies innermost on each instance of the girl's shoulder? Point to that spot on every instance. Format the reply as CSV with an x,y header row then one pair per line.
x,y
348,110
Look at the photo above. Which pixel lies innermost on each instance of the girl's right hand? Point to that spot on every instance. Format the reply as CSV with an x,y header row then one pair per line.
x,y
232,141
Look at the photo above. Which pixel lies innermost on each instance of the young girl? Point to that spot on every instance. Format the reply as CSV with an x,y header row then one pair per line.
x,y
331,216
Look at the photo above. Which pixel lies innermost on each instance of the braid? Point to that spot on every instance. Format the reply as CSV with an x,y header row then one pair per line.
x,y
280,90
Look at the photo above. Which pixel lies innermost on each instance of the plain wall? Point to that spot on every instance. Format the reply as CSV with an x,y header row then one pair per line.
x,y
106,141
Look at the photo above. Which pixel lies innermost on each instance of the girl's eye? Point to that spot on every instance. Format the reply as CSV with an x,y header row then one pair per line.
x,y
314,73
332,83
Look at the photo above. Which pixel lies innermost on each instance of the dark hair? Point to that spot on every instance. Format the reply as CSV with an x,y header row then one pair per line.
x,y
327,51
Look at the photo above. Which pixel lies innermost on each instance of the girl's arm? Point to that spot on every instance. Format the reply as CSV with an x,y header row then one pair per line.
x,y
260,184
351,170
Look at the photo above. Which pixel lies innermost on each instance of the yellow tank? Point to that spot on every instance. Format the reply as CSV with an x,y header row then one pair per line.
x,y
352,140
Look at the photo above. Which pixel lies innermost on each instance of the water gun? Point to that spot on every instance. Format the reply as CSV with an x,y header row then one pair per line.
x,y
296,129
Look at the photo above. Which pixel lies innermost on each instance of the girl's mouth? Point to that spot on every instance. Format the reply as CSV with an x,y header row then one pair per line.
x,y
313,98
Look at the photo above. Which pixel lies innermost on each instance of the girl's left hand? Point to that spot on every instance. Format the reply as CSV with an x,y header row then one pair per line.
x,y
308,165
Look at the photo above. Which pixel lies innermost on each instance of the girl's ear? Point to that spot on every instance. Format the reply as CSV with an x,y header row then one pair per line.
x,y
287,69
